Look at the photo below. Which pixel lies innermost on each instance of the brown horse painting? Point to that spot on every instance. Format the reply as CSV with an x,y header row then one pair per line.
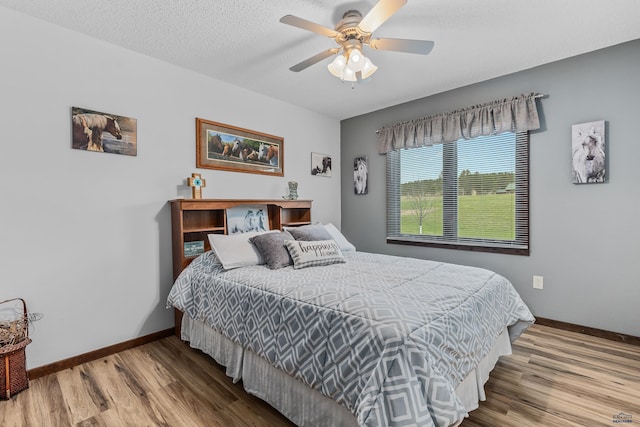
x,y
215,144
88,128
268,154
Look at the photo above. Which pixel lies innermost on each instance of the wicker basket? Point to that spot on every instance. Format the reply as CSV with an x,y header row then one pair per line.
x,y
14,338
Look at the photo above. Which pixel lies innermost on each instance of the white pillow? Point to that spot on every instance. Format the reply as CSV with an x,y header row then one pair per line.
x,y
345,245
313,253
236,250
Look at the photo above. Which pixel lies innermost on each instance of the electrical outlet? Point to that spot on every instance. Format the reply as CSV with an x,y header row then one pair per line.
x,y
537,282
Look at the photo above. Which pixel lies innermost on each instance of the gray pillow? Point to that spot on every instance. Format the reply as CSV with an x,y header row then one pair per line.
x,y
310,232
271,247
313,254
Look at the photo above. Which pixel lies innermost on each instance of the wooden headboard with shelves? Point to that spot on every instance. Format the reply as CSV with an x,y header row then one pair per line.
x,y
193,219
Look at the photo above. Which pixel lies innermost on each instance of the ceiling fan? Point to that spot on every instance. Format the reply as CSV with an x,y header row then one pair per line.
x,y
352,33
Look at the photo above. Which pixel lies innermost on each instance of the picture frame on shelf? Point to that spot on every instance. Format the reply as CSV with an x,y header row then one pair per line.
x,y
193,249
247,218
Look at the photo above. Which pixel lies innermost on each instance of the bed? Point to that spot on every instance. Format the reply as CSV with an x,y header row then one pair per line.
x,y
339,337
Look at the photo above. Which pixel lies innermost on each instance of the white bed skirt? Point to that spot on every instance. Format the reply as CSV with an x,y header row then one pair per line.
x,y
303,405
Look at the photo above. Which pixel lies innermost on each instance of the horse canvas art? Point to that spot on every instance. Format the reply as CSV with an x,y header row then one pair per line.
x,y
588,152
101,132
360,175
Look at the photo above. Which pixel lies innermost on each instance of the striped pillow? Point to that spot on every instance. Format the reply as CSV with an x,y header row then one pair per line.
x,y
314,253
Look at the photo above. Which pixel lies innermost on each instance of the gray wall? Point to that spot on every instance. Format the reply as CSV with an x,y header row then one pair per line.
x,y
584,238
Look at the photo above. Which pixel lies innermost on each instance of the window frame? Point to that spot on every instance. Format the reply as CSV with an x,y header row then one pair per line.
x,y
519,246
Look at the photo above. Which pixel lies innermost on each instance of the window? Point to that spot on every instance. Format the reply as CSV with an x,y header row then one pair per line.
x,y
471,194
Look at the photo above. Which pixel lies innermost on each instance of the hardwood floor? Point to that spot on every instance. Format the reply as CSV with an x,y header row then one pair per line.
x,y
561,378
553,378
163,383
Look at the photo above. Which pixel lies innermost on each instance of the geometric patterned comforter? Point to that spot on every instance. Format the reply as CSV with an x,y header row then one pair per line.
x,y
387,337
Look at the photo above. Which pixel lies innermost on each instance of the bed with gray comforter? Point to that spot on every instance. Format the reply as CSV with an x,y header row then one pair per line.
x,y
389,338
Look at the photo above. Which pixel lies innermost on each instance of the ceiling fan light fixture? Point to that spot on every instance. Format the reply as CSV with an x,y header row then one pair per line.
x,y
336,67
349,75
356,60
368,68
356,56
352,33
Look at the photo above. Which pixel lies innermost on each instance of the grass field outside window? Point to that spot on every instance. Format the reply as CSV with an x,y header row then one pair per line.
x,y
470,194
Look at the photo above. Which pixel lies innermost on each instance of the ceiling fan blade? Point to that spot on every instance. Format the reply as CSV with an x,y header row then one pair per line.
x,y
309,26
380,13
422,47
314,59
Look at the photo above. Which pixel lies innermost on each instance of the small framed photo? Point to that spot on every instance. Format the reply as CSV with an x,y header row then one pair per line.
x,y
588,152
360,175
320,164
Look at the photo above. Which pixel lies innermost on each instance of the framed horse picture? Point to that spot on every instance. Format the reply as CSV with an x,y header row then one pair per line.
x,y
103,132
230,148
360,175
247,218
588,156
320,164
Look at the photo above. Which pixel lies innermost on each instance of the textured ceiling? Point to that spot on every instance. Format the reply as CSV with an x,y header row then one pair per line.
x,y
242,42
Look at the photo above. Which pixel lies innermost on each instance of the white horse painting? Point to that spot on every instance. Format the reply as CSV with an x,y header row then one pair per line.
x,y
360,175
588,152
247,218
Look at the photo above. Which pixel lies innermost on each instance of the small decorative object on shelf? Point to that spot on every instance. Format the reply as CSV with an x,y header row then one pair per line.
x,y
293,191
196,182
193,249
14,337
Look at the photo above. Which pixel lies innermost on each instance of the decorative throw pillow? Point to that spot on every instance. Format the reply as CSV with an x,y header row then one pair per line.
x,y
271,247
310,232
235,250
314,253
345,245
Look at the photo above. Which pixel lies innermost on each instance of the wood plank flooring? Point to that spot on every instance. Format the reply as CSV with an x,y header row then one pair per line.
x,y
560,378
553,378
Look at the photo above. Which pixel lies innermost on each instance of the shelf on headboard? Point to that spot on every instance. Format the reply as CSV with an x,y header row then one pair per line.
x,y
192,220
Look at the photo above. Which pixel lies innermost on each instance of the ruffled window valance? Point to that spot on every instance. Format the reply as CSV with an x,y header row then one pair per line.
x,y
515,114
